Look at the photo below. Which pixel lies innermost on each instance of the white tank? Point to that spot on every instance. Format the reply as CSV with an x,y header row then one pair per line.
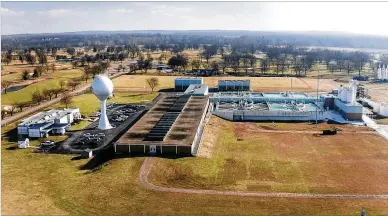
x,y
349,96
384,110
340,92
344,94
102,87
376,107
386,73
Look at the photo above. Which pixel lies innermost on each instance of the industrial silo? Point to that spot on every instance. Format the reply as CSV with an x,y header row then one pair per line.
x,y
384,110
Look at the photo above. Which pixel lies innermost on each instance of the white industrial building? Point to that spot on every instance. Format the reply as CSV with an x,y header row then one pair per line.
x,y
288,106
382,72
377,107
53,121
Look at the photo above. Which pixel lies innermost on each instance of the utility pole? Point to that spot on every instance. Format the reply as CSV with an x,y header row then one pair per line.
x,y
316,112
291,81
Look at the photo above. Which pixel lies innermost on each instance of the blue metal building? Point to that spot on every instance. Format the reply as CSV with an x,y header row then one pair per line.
x,y
234,85
182,83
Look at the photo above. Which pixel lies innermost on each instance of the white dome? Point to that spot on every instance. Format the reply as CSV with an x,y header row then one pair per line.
x,y
102,87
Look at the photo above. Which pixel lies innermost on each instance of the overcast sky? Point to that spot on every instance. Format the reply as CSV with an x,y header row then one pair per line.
x,y
48,17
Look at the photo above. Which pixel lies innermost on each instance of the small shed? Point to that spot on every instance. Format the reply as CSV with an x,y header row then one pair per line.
x,y
23,143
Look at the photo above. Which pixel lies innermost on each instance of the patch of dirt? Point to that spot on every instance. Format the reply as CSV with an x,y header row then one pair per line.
x,y
210,137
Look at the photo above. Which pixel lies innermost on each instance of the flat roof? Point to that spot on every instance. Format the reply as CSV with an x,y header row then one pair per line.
x,y
39,125
189,78
233,80
47,116
182,132
197,89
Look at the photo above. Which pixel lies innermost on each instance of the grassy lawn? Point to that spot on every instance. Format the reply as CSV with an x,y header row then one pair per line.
x,y
245,160
52,82
51,184
80,125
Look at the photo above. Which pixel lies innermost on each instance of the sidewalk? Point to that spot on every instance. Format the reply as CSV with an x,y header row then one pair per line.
x,y
381,129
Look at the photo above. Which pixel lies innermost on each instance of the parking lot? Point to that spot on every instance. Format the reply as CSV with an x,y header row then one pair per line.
x,y
121,117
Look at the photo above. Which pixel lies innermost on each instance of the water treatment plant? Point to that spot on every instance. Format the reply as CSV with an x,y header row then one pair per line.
x,y
174,122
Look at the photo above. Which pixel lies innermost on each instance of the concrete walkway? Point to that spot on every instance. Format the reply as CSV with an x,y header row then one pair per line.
x,y
45,104
381,129
147,165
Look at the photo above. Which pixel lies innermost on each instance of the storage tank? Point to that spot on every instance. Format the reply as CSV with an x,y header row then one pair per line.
x,y
340,93
349,96
379,74
383,110
343,94
182,83
376,107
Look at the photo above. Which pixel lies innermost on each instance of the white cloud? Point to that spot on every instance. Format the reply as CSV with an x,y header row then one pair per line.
x,y
7,11
4,10
168,10
55,12
121,10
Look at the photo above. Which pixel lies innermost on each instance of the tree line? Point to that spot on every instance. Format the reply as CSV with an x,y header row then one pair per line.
x,y
189,38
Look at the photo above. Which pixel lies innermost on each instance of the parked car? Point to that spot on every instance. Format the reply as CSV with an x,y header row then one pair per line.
x,y
87,135
47,143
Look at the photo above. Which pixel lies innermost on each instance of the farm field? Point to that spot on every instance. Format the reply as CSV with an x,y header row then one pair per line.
x,y
56,186
265,84
239,158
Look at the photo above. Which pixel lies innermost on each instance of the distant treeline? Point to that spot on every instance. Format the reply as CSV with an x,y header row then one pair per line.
x,y
191,39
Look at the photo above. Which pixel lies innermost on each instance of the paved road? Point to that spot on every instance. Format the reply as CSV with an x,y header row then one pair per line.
x,y
45,104
146,167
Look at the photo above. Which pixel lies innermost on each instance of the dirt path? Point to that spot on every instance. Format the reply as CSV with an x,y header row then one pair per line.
x,y
312,132
147,165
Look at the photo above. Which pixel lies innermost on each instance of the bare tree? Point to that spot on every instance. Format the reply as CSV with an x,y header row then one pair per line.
x,y
74,64
3,113
215,66
37,97
66,99
196,63
58,91
62,84
73,84
53,68
4,85
12,109
22,105
48,93
152,83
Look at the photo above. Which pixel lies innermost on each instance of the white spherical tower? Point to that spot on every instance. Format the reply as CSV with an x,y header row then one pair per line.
x,y
102,87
